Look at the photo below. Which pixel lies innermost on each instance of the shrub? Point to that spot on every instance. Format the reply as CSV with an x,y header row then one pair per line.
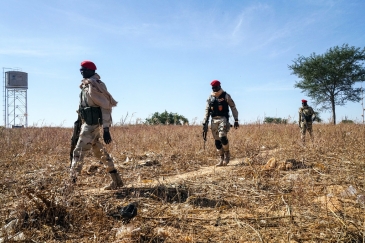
x,y
347,121
275,120
166,118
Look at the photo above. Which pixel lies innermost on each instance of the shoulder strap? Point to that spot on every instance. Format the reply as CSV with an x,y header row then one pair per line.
x,y
224,94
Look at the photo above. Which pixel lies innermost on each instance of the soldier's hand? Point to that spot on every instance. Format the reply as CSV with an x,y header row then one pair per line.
x,y
236,125
106,135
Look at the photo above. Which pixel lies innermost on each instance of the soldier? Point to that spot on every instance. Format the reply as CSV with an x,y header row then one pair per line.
x,y
217,106
95,110
306,117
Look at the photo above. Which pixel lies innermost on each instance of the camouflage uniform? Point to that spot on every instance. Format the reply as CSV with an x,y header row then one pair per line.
x,y
217,106
90,137
306,117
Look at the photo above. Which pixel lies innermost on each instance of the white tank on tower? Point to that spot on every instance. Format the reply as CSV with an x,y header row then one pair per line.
x,y
16,79
15,98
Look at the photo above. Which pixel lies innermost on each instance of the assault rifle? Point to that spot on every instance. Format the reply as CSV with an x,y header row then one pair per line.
x,y
75,136
205,130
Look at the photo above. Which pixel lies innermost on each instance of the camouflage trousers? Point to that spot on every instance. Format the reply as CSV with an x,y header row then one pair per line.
x,y
220,128
90,139
304,127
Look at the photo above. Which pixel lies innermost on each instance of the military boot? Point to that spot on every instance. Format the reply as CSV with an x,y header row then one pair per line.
x,y
116,181
75,170
221,157
227,157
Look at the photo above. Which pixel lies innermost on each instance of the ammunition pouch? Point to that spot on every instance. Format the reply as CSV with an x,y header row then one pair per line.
x,y
91,115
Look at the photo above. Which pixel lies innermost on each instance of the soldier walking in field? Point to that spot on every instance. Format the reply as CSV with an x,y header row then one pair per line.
x,y
306,118
95,110
217,107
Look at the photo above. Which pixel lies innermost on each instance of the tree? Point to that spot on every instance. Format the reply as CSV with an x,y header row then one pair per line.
x,y
275,120
329,78
347,121
166,118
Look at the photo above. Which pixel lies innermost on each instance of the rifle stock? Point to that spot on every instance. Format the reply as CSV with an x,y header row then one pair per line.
x,y
75,137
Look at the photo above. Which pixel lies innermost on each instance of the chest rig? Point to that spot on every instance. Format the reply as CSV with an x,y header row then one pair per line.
x,y
89,114
219,106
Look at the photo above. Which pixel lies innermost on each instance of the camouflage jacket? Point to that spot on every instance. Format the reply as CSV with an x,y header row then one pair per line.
x,y
87,100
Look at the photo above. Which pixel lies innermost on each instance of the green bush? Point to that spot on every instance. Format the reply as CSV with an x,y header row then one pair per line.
x,y
166,118
347,121
275,120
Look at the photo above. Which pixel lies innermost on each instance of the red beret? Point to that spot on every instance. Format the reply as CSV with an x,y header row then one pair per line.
x,y
304,101
215,83
88,64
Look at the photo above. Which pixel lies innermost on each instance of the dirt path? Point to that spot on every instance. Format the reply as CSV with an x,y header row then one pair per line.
x,y
192,174
163,180
173,179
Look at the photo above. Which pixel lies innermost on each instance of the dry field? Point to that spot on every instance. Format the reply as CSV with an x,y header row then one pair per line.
x,y
274,190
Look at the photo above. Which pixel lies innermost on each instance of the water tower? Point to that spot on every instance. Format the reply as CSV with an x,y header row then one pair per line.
x,y
15,98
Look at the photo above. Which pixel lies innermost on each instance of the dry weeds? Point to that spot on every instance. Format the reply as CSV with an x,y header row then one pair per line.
x,y
303,196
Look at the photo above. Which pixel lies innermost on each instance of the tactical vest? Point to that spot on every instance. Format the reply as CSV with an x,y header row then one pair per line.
x,y
306,113
219,106
91,115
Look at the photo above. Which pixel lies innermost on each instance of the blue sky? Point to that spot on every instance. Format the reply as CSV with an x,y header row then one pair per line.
x,y
157,55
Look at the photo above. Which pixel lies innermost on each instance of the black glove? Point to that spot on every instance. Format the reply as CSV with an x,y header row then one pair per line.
x,y
106,135
314,118
236,125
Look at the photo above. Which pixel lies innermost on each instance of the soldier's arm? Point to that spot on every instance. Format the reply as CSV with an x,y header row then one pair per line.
x,y
106,113
233,107
313,114
106,116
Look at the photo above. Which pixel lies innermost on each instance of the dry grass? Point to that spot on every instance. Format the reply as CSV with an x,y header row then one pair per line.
x,y
298,197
